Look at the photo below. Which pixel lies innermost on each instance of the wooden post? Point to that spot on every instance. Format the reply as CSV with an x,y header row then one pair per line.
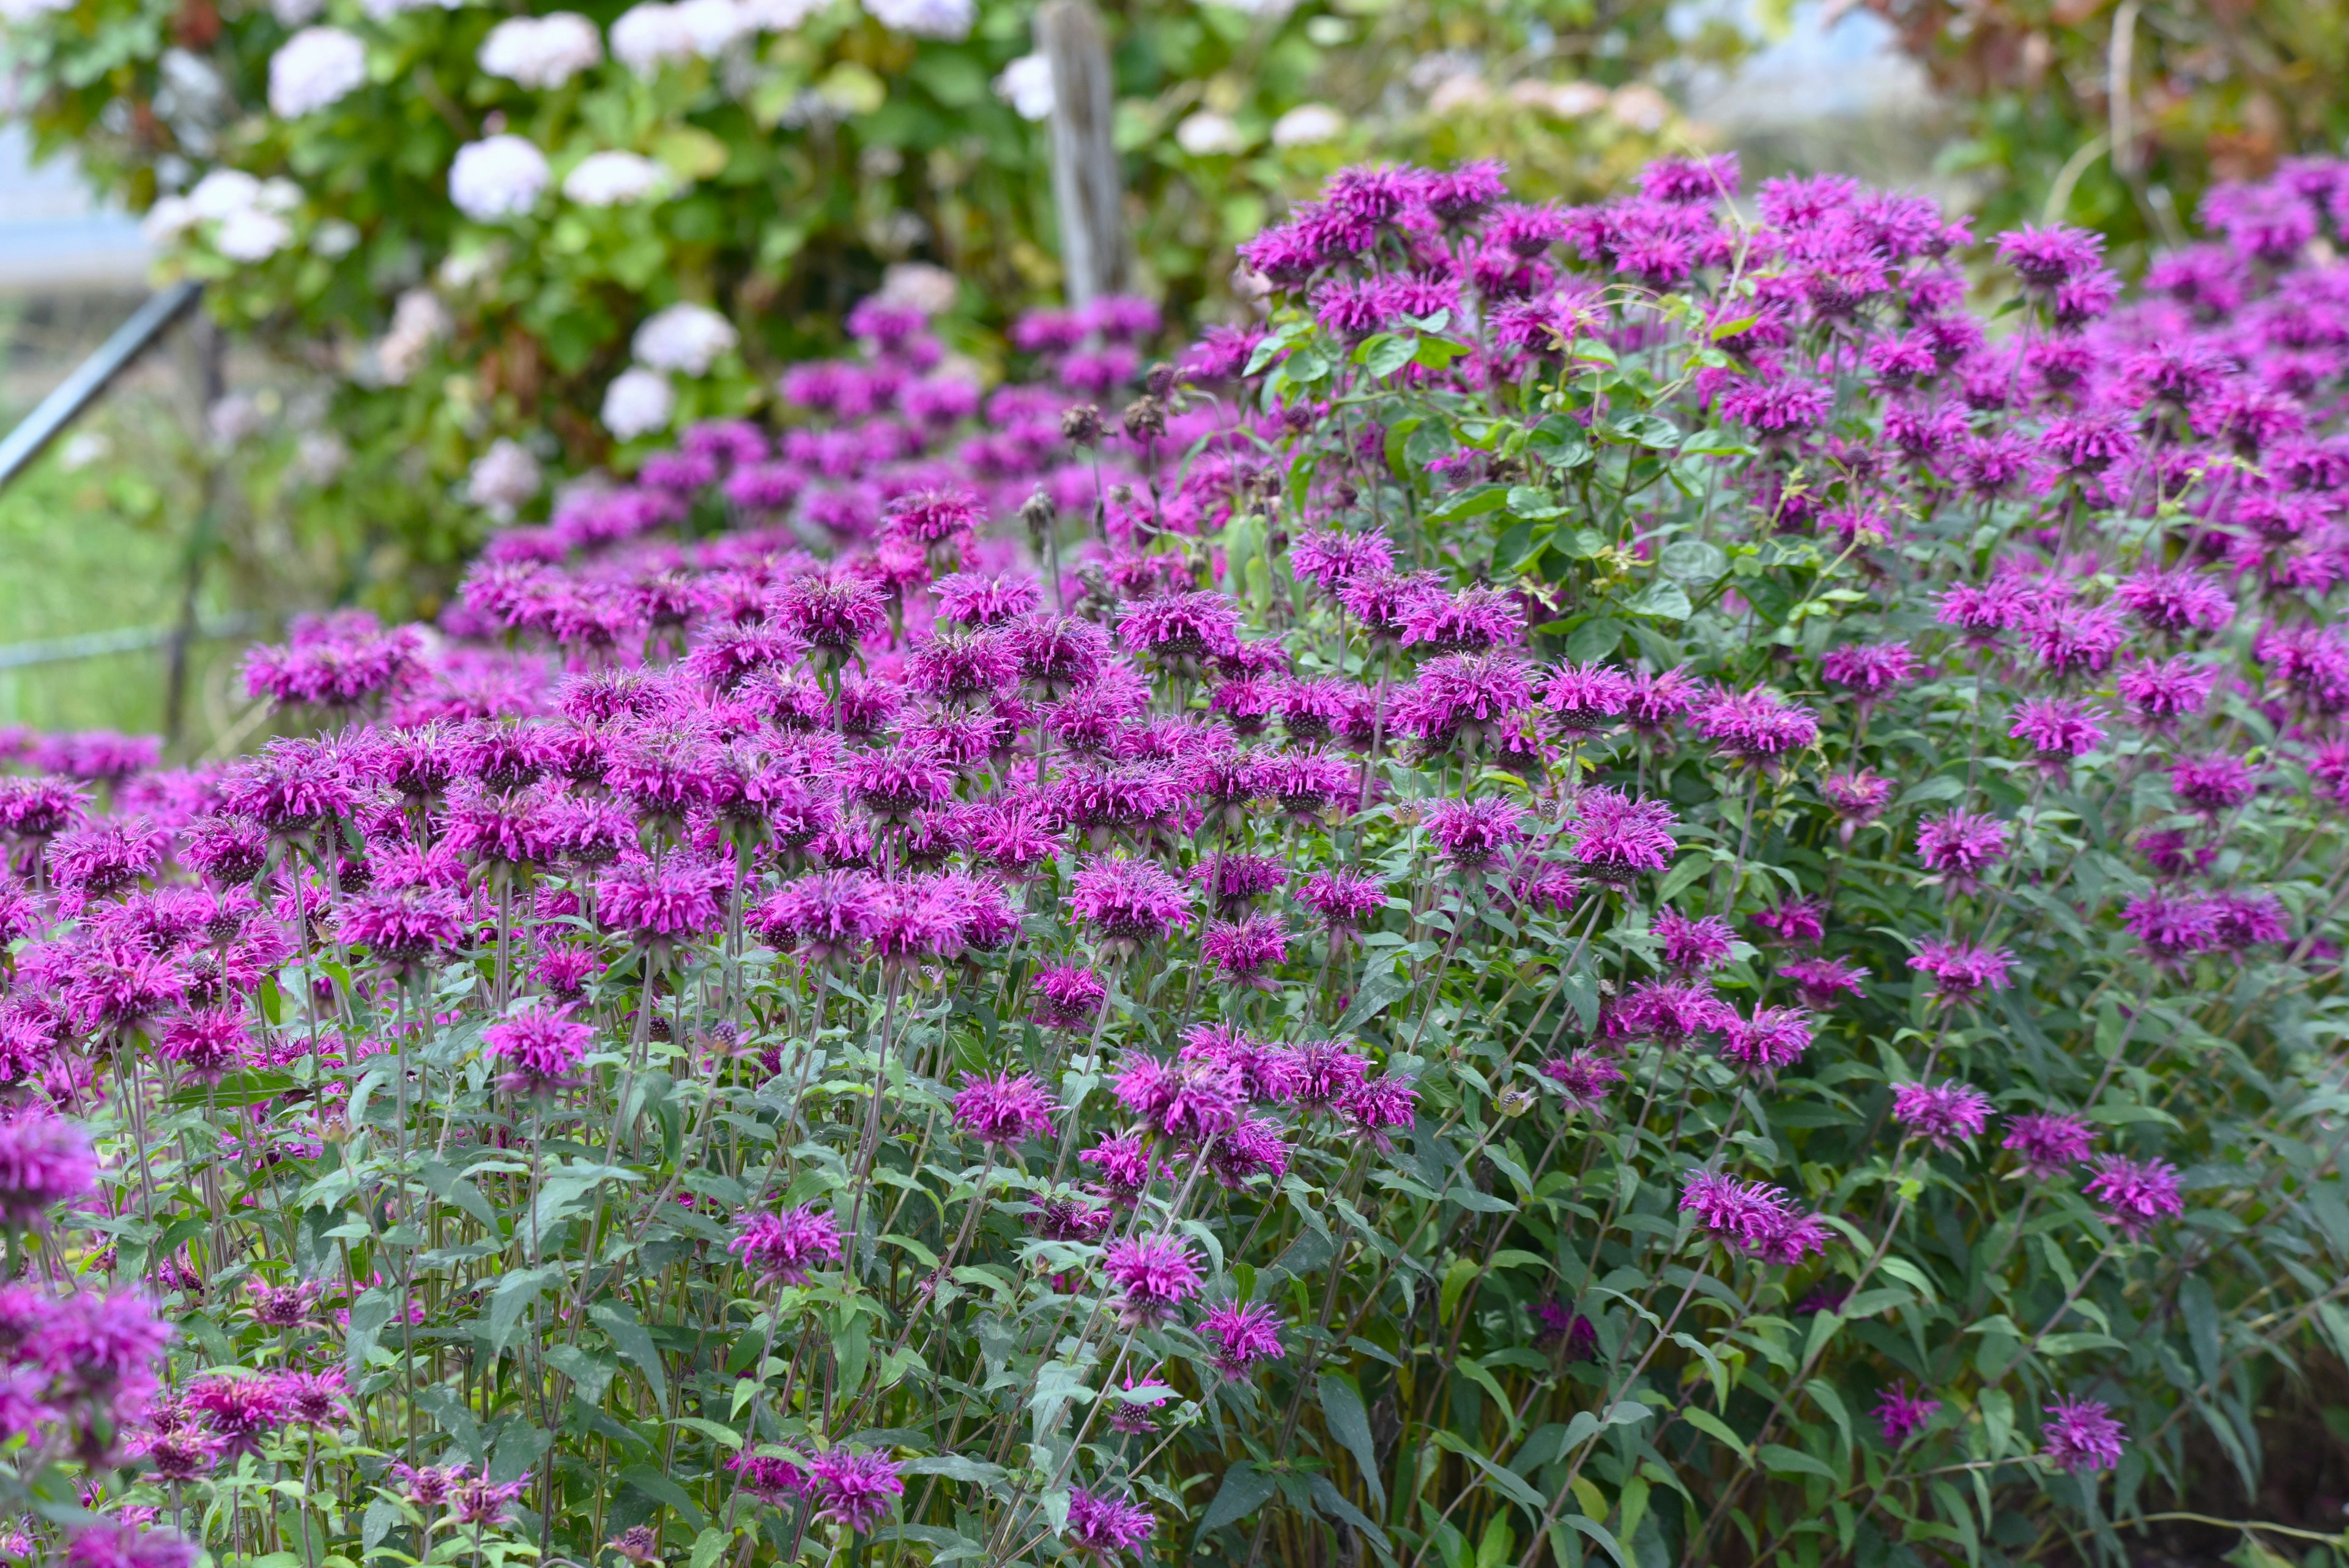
x,y
1086,193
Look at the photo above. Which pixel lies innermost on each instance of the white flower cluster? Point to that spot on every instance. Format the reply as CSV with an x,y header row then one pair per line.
x,y
684,338
1025,84
498,177
315,67
503,479
948,19
638,402
687,338
540,51
418,320
614,179
244,218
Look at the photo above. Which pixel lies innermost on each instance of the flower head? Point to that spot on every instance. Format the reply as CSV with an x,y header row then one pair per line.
x,y
854,1490
1245,1332
2048,1144
1944,1114
2136,1193
1104,1525
1154,1275
1004,1110
2082,1436
1900,1415
783,1246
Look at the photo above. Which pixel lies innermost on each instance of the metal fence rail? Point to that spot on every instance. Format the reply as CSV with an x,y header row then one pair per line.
x,y
92,377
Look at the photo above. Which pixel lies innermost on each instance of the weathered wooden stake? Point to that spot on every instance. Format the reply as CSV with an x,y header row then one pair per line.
x,y
1086,192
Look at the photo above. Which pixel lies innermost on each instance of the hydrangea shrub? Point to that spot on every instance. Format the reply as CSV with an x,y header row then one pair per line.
x,y
1621,892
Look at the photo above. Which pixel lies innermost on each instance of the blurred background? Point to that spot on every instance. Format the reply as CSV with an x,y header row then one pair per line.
x,y
386,365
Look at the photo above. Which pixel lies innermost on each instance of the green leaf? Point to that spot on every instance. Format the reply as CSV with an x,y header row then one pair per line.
x,y
1692,561
1330,1500
707,1546
1350,1423
2202,1324
1473,502
368,1315
1594,639
1379,990
1599,1532
660,1488
1784,1460
1243,1491
1387,355
1511,1484
1713,1426
634,1344
513,1297
1664,599
955,1468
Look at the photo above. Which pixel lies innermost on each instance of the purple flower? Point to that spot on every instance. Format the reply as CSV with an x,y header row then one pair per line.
x,y
2048,1143
1858,798
2136,1193
238,1409
659,902
1191,1100
2248,919
1585,1077
1617,838
1106,1525
2046,257
1797,922
2177,603
43,1162
1773,1038
1462,699
854,1490
2082,1436
771,1478
1960,973
1959,846
2162,692
109,1544
1471,833
2211,785
538,1050
1068,996
208,1041
1475,620
1869,669
404,927
1242,951
1375,1106
1672,1013
1004,1110
1181,631
106,857
1944,1114
2172,928
1244,1334
2058,730
1752,1218
784,1246
1329,560
1900,1415
1758,726
1129,902
1122,1164
1586,698
1823,982
1154,1275
1691,945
